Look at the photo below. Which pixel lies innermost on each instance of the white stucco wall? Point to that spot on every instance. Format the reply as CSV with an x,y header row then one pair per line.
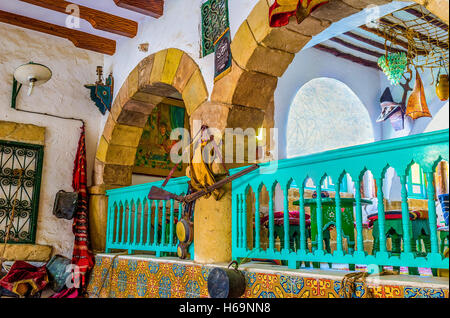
x,y
63,95
310,64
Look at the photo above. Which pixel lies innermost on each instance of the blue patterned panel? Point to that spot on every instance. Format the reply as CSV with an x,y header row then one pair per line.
x,y
153,268
122,281
178,270
141,286
411,292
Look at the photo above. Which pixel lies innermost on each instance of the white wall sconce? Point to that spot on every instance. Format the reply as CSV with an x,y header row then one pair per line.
x,y
31,75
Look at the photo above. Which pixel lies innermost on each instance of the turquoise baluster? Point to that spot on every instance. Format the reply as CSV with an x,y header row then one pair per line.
x,y
271,223
108,226
163,225
172,203
431,192
319,218
338,218
234,225
302,218
381,216
238,221
155,225
124,217
119,207
358,212
129,223
135,222
257,222
286,218
149,222
405,215
141,237
180,209
244,221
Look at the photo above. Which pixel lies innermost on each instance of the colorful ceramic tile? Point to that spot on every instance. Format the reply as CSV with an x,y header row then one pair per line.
x,y
124,278
410,292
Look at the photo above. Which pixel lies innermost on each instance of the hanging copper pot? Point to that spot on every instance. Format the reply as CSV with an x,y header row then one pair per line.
x,y
442,87
417,103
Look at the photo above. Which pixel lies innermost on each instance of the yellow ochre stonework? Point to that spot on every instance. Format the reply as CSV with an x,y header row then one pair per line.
x,y
19,132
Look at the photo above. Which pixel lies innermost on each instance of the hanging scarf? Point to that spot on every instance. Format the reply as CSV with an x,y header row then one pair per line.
x,y
82,256
282,10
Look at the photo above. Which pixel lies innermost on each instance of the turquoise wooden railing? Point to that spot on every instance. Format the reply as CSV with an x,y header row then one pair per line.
x,y
425,149
136,223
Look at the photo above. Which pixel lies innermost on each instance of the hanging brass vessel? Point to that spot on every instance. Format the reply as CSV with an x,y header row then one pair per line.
x,y
417,103
442,87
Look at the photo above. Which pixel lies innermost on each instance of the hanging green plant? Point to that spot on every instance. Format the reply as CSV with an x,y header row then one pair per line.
x,y
393,66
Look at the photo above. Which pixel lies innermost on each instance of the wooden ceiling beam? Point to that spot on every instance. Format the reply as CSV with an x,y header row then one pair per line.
x,y
347,56
370,42
153,8
79,39
395,41
433,21
98,19
356,47
417,35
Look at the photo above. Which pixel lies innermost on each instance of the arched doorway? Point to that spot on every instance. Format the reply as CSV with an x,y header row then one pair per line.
x,y
170,73
326,114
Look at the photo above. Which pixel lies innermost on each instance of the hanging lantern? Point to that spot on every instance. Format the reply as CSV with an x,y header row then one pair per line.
x,y
442,87
417,104
393,65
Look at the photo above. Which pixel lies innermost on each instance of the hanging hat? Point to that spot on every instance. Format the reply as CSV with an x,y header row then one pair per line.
x,y
388,106
417,104
397,119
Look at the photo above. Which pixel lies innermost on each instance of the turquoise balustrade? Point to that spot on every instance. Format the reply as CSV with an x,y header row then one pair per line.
x,y
425,149
136,223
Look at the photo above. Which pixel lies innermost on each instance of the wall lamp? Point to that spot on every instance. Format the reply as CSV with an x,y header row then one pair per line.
x,y
31,75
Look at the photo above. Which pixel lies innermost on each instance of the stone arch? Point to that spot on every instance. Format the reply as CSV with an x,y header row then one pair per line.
x,y
161,74
262,54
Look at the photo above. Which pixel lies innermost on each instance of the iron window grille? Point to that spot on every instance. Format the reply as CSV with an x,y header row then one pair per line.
x,y
28,158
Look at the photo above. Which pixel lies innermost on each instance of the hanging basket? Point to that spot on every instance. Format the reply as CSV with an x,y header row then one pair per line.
x,y
394,65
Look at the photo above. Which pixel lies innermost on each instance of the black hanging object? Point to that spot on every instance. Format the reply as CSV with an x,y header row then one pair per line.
x,y
65,205
226,283
58,272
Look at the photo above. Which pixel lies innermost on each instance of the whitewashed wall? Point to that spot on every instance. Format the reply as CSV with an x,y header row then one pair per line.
x,y
310,64
63,95
179,28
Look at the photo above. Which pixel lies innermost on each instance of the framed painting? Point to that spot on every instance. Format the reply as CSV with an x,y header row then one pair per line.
x,y
153,152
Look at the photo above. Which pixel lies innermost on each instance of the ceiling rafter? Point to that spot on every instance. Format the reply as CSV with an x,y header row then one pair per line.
x,y
371,42
356,47
429,19
79,39
153,8
349,57
98,19
418,35
395,41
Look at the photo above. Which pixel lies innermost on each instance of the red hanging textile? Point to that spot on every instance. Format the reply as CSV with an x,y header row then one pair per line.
x,y
282,10
82,256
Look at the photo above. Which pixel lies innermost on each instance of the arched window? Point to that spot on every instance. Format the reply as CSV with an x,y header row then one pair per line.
x,y
326,114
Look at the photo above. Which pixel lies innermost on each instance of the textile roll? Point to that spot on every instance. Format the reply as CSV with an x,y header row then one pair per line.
x,y
24,278
282,10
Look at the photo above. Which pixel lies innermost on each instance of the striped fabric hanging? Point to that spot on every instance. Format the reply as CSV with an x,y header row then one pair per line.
x,y
82,256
